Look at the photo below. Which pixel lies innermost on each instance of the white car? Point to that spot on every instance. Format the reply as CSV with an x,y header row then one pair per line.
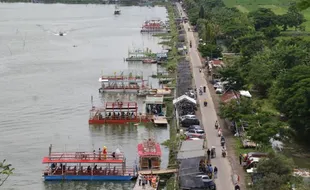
x,y
204,178
219,90
187,117
217,85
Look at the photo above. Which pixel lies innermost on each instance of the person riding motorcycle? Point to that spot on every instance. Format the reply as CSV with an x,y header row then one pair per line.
x,y
205,103
216,125
224,152
190,43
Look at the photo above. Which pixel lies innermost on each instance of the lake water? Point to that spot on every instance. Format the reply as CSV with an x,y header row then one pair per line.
x,y
46,84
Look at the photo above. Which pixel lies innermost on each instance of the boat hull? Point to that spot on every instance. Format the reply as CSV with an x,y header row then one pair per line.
x,y
135,90
86,178
117,121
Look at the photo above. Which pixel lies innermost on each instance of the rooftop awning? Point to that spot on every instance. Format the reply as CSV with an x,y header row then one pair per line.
x,y
157,99
191,154
183,97
245,93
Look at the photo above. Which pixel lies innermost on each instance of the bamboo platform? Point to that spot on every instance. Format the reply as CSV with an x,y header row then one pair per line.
x,y
157,172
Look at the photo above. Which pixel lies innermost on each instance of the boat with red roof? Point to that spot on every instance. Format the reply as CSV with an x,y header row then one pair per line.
x,y
117,112
122,83
149,153
149,61
87,166
154,26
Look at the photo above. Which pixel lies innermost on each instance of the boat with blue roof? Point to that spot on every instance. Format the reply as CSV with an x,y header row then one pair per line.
x,y
98,165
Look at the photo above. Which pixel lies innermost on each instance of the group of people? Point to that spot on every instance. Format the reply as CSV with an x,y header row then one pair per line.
x,y
209,170
147,180
220,134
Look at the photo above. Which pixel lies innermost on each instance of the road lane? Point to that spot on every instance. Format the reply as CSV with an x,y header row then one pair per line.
x,y
209,116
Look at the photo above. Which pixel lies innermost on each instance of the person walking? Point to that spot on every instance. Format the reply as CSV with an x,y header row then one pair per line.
x,y
143,182
211,171
209,153
240,159
215,172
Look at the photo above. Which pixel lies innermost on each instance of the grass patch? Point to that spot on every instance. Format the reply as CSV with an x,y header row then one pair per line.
x,y
278,6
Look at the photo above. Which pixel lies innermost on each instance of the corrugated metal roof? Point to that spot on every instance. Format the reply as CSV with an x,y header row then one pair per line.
x,y
191,145
191,154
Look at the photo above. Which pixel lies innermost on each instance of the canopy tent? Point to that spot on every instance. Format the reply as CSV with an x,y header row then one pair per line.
x,y
183,97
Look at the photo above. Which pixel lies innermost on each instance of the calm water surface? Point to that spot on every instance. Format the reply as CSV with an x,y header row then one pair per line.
x,y
46,84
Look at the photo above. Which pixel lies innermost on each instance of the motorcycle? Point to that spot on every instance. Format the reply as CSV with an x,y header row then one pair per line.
x,y
216,125
205,103
190,44
223,153
200,70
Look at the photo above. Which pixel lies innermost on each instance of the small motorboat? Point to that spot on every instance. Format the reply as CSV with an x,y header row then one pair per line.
x,y
149,61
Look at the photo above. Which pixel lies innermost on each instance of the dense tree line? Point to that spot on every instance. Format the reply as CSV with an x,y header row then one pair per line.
x,y
265,62
275,70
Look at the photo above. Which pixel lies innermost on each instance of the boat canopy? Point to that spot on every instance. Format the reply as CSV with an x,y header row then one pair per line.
x,y
149,148
155,99
82,157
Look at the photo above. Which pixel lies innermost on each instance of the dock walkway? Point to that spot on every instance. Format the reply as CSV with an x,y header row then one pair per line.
x,y
157,172
146,187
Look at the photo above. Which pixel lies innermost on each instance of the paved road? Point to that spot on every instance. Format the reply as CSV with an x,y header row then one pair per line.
x,y
209,116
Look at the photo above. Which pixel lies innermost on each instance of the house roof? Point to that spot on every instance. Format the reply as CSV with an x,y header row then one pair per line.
x,y
183,97
191,145
229,95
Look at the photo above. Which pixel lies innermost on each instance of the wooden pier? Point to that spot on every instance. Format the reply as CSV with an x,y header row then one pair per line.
x,y
157,172
160,120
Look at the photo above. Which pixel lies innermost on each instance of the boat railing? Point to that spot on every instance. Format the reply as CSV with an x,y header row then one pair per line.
x,y
74,170
85,156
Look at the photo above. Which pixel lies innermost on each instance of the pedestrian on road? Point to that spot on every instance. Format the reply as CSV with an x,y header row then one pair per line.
x,y
140,180
208,152
240,159
143,182
215,172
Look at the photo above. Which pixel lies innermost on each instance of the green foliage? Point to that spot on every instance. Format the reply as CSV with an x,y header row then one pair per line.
x,y
277,172
291,95
210,50
263,18
5,171
293,18
303,4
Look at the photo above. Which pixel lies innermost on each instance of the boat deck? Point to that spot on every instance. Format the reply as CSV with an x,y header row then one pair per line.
x,y
157,172
160,120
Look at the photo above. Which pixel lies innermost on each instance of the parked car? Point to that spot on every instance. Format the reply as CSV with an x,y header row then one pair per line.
x,y
200,133
217,85
188,122
195,127
219,90
187,117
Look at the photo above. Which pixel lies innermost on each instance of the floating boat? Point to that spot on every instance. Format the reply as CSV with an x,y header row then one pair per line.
x,y
117,11
149,153
154,26
117,113
156,110
139,55
149,61
87,166
121,83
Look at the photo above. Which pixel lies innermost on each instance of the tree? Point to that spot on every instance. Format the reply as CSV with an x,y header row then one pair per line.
x,y
303,4
5,171
276,171
236,109
201,12
260,72
232,74
262,127
291,95
210,50
271,32
263,18
293,18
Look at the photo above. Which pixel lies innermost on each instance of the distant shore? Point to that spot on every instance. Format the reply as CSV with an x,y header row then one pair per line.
x,y
124,3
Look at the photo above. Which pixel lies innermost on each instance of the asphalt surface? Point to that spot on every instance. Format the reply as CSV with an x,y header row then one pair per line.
x,y
209,116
